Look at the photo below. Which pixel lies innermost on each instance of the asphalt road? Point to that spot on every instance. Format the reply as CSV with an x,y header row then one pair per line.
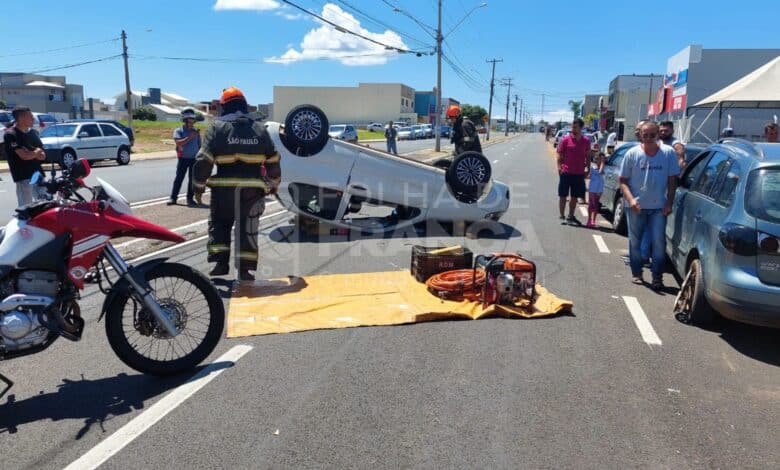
x,y
589,390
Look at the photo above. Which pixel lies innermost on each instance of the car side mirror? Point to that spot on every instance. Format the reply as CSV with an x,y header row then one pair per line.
x,y
83,134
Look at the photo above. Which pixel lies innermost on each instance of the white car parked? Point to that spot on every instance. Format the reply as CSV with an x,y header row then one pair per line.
x,y
66,143
376,127
354,186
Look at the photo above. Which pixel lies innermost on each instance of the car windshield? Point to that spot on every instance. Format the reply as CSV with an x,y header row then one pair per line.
x,y
405,129
337,128
763,194
60,130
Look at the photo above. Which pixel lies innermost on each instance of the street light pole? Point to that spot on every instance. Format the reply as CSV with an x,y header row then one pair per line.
x,y
507,82
439,40
128,94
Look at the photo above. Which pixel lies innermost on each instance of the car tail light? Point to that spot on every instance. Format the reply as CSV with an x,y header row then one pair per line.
x,y
739,239
768,243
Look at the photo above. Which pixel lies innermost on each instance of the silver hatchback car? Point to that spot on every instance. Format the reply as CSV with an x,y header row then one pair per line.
x,y
724,234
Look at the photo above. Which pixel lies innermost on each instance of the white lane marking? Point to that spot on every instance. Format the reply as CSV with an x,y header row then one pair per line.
x,y
190,242
584,211
185,227
138,425
645,328
600,244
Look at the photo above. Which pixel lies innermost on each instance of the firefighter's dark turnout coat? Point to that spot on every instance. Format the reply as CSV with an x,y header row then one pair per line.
x,y
247,170
465,136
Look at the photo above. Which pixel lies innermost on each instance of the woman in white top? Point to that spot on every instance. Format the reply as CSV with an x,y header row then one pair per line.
x,y
595,188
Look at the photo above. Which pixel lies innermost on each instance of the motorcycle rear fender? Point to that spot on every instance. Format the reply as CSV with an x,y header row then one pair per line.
x,y
122,287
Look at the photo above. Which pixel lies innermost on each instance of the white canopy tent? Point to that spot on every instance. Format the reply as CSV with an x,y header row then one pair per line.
x,y
758,89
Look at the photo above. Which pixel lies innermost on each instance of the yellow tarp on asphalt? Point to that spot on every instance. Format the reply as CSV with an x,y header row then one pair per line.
x,y
365,299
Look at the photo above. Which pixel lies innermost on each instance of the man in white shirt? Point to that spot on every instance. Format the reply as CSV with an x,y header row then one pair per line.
x,y
611,141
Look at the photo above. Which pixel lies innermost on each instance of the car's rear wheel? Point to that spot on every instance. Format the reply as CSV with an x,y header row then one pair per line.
x,y
691,305
469,175
306,130
123,155
619,217
67,158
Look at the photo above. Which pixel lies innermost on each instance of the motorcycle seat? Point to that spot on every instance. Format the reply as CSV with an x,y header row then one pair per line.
x,y
29,211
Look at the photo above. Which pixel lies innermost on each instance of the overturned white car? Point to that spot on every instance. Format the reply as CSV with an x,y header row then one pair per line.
x,y
353,186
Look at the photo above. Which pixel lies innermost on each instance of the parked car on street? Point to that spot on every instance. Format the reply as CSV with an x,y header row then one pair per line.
x,y
558,136
346,132
6,119
43,120
723,237
128,132
418,131
428,128
376,127
405,133
445,130
612,197
65,143
343,184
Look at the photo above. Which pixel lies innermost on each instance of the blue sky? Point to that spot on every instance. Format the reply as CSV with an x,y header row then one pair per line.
x,y
563,49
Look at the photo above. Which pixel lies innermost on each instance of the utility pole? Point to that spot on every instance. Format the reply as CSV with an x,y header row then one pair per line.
x,y
542,117
514,121
521,109
437,125
128,96
507,82
490,105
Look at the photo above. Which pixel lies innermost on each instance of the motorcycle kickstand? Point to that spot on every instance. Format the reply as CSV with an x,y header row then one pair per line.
x,y
8,384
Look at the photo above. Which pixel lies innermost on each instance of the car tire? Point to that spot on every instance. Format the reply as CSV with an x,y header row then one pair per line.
x,y
690,304
123,155
469,175
306,130
443,163
619,223
67,158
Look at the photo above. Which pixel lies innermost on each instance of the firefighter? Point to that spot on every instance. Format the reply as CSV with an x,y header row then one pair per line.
x,y
464,132
247,170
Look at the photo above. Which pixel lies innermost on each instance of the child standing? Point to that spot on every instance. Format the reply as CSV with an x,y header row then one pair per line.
x,y
595,188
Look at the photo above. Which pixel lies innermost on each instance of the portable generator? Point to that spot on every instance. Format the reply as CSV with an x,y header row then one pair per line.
x,y
508,278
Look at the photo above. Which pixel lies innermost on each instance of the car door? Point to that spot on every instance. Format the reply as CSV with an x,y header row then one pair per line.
x,y
674,223
697,203
113,139
90,142
612,176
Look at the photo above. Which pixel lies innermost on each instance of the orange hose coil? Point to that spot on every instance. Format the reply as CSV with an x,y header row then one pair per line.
x,y
457,281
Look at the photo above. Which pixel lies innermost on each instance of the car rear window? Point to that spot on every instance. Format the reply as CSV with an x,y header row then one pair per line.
x,y
46,118
763,194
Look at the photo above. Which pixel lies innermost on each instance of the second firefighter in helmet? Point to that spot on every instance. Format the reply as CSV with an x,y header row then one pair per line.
x,y
464,133
247,170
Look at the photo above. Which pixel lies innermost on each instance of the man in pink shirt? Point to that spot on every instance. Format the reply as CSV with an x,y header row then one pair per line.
x,y
573,167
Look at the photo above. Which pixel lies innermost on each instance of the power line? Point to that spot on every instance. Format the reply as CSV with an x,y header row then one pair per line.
x,y
79,64
59,48
382,24
229,60
341,29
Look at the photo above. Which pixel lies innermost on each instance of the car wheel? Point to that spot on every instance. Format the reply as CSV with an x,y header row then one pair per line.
x,y
67,158
443,163
469,174
123,155
619,217
306,130
690,304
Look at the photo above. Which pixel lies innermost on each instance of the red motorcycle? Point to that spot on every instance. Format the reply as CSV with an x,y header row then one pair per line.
x,y
161,318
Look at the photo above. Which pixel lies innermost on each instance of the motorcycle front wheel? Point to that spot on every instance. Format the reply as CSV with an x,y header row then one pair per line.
x,y
194,305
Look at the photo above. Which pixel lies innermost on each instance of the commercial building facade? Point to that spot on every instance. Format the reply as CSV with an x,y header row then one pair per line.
x,y
366,103
629,97
695,73
42,94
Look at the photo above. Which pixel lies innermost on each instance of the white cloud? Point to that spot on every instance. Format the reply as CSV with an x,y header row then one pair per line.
x,y
258,5
290,16
325,42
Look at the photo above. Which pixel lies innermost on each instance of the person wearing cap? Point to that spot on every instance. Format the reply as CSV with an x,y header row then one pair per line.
x,y
247,170
770,132
464,132
187,139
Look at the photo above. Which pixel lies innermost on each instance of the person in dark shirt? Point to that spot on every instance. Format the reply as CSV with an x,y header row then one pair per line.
x,y
464,132
24,150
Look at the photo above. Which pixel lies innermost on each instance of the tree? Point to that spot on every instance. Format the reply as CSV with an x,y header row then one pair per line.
x,y
473,112
3,104
576,107
589,118
144,113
